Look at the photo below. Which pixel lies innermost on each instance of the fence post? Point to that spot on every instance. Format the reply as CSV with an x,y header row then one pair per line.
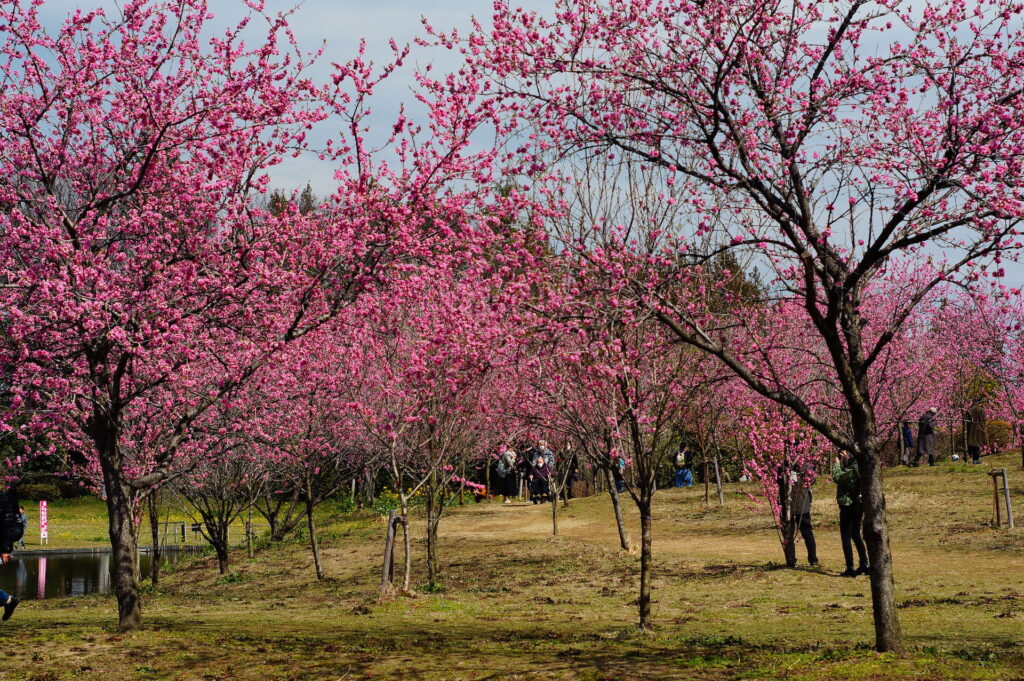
x,y
997,520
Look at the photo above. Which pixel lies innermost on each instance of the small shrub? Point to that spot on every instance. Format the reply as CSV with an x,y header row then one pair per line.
x,y
1000,435
388,500
347,503
231,578
39,491
434,588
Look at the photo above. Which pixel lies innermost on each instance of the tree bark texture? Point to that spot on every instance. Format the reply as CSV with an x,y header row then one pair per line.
x,y
154,528
313,545
617,507
646,568
124,542
888,633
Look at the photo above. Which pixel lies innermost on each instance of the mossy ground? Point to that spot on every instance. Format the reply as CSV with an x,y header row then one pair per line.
x,y
518,603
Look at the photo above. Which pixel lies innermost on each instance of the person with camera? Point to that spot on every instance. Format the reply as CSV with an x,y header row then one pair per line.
x,y
851,513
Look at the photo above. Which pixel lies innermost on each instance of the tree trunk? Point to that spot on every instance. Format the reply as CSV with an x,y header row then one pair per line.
x,y
554,514
274,528
646,622
888,636
406,542
431,503
707,480
369,489
221,547
248,534
786,521
789,553
217,532
281,523
313,545
432,553
154,528
718,480
124,542
619,522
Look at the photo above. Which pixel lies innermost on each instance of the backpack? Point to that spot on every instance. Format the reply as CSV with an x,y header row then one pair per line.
x,y
501,467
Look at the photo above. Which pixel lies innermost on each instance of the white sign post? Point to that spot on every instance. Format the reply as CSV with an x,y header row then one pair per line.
x,y
44,524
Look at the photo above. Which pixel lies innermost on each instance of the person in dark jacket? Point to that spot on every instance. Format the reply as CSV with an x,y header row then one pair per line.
x,y
908,442
851,513
509,478
540,479
10,532
572,475
926,437
974,427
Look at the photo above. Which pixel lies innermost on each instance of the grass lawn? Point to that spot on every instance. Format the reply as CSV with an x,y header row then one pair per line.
x,y
518,603
82,523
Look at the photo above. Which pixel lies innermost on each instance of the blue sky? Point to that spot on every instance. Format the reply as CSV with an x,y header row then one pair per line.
x,y
341,24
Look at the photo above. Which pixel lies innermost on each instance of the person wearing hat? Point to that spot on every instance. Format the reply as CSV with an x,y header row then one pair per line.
x,y
926,437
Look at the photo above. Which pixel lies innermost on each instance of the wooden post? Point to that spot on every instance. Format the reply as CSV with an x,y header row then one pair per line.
x,y
997,519
387,570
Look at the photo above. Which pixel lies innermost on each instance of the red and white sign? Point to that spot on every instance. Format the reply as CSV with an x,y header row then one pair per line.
x,y
44,523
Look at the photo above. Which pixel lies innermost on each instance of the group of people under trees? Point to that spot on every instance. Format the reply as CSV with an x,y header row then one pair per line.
x,y
799,498
846,476
974,430
533,469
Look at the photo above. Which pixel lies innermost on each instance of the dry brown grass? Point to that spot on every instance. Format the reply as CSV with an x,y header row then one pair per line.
x,y
521,604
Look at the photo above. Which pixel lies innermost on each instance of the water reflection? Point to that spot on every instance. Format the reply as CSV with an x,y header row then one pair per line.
x,y
74,574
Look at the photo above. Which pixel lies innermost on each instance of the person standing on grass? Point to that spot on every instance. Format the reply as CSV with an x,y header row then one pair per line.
x,y
523,471
908,443
11,530
540,479
926,437
573,473
23,519
974,427
801,500
683,463
851,513
508,473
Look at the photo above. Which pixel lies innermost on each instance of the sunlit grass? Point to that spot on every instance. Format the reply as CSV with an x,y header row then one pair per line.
x,y
518,603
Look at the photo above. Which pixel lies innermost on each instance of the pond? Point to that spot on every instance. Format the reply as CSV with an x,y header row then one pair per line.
x,y
56,575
